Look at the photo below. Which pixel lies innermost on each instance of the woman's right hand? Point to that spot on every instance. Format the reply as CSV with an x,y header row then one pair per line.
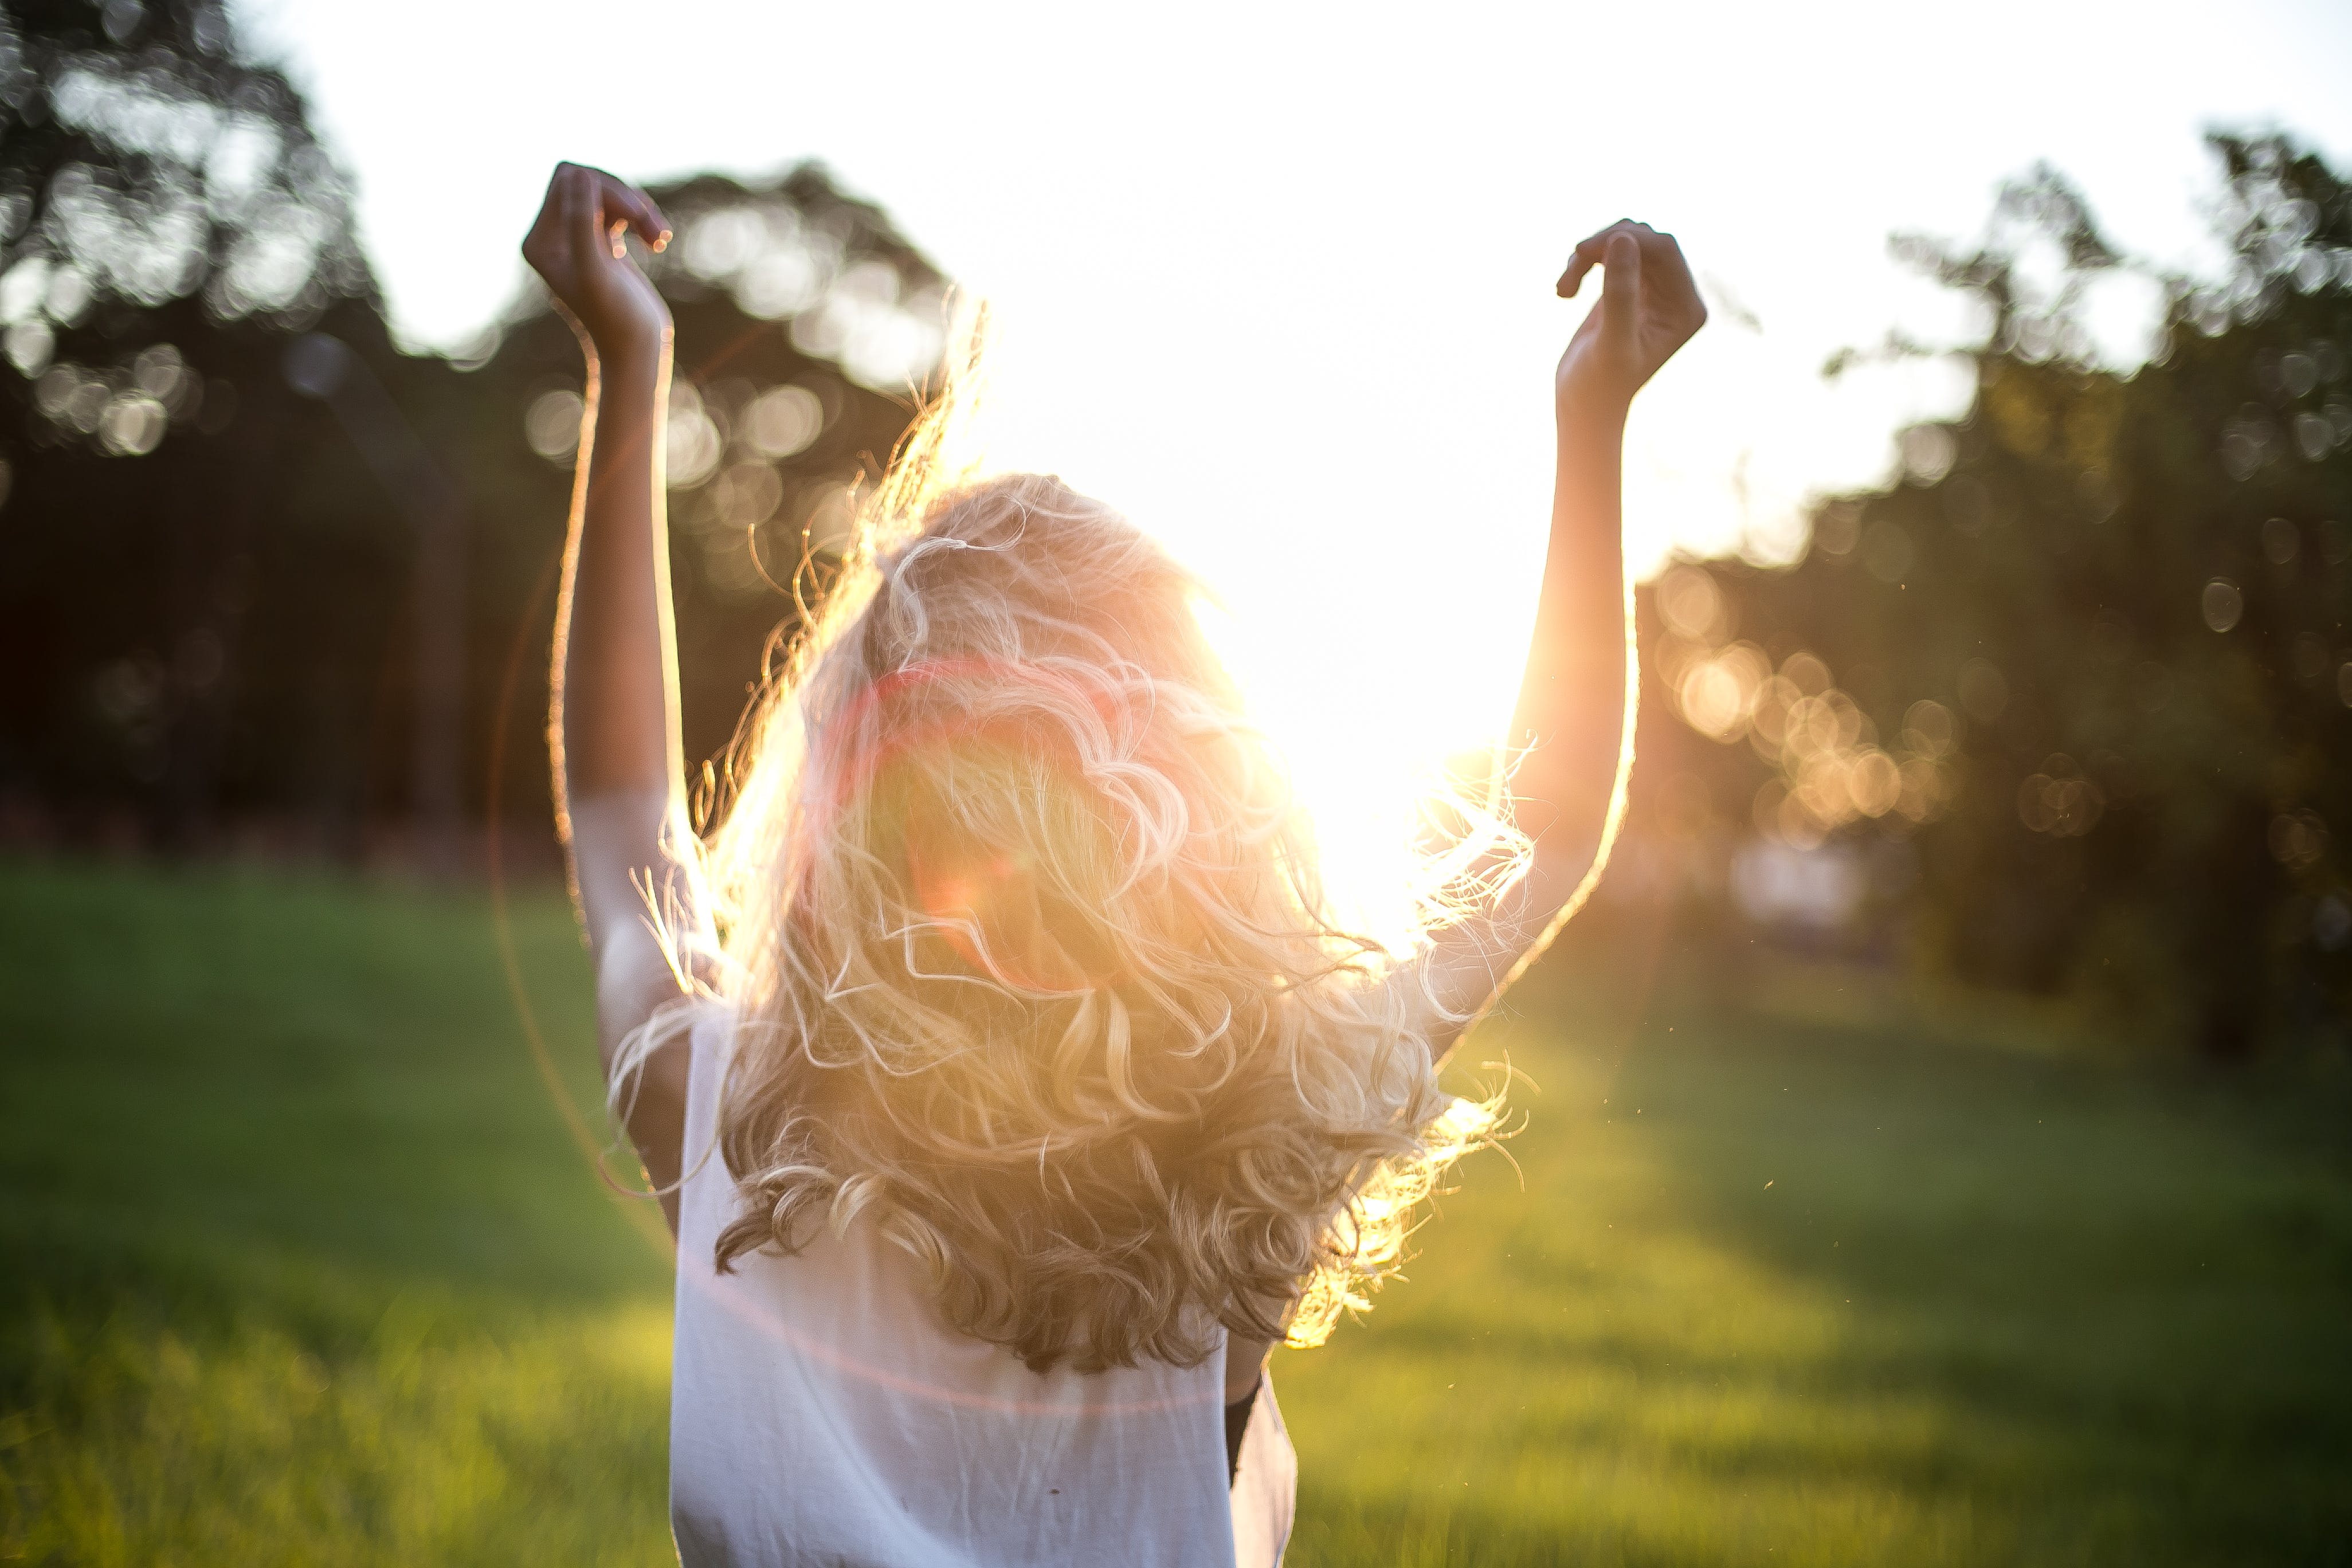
x,y
575,245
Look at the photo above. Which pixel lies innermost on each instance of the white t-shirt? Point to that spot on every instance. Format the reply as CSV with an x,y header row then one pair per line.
x,y
822,1413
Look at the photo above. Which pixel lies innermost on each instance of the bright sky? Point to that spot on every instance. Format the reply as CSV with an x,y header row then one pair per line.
x,y
1276,278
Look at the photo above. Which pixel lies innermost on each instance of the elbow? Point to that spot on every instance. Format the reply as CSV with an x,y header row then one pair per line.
x,y
1564,867
635,987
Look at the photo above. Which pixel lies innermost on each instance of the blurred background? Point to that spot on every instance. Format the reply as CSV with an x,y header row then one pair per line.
x,y
1936,1142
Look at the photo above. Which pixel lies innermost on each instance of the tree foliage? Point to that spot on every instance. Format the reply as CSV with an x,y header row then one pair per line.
x,y
208,597
2087,662
174,519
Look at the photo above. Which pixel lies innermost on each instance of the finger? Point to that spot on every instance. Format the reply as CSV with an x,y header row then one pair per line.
x,y
629,205
555,212
557,225
620,203
1596,244
584,215
1581,260
1588,254
1620,289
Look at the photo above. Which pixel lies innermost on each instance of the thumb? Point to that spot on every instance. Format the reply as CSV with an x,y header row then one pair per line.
x,y
1621,284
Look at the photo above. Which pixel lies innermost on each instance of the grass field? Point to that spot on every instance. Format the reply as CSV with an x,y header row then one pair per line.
x,y
299,1264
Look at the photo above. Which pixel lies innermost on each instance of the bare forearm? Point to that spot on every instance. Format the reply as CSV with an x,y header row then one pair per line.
x,y
615,729
1571,707
1572,714
615,720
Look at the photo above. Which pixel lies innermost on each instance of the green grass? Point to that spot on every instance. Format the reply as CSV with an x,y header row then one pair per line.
x,y
299,1264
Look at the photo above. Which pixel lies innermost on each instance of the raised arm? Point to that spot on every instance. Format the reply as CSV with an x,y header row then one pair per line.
x,y
613,725
1575,714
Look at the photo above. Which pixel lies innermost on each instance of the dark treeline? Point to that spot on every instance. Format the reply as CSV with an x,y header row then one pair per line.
x,y
266,580
2069,707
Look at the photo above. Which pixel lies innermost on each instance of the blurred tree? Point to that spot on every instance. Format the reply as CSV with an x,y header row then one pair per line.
x,y
221,484
2088,658
168,220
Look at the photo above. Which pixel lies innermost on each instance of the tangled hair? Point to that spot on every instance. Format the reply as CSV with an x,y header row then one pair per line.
x,y
1029,963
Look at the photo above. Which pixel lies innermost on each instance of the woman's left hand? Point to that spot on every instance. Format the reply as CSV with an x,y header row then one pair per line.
x,y
1649,308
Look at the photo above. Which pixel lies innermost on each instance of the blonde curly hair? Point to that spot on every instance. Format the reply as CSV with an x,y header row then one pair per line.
x,y
1030,962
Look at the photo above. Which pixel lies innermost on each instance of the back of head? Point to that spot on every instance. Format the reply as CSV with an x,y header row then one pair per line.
x,y
1031,965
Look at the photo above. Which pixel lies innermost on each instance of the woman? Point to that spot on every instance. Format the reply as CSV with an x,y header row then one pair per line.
x,y
1003,1074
